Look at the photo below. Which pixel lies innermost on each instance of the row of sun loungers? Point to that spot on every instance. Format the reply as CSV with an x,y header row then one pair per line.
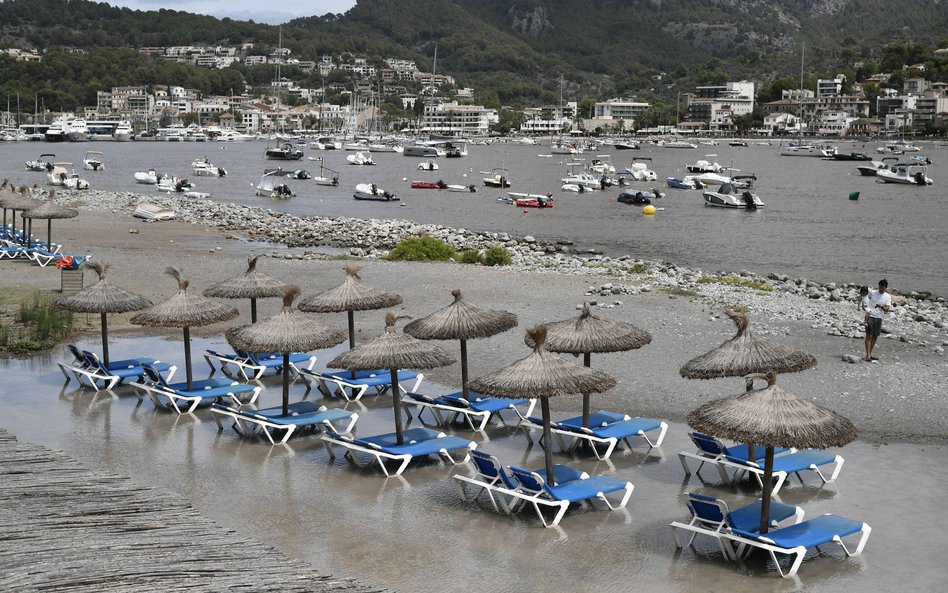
x,y
15,245
509,489
737,532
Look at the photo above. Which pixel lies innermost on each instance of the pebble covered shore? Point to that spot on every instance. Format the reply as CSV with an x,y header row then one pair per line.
x,y
919,318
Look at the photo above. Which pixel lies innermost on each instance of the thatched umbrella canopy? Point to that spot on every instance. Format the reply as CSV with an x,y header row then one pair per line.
x,y
252,284
23,202
184,310
745,354
543,375
103,297
774,418
350,296
287,331
462,321
590,333
7,195
392,350
49,210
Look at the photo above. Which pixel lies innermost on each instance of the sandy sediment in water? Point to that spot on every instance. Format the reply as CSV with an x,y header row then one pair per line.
x,y
899,398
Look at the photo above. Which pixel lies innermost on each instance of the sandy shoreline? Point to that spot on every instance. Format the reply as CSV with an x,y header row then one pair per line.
x,y
897,399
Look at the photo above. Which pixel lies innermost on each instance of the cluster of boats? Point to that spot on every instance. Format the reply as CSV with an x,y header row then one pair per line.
x,y
63,174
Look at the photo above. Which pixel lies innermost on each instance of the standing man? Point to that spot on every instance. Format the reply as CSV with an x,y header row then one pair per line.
x,y
880,302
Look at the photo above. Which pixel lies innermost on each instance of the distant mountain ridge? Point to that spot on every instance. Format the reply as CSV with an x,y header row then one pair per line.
x,y
518,51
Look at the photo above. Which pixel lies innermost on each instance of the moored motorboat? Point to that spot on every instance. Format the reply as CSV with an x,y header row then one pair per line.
x,y
799,149
359,158
689,182
123,131
93,161
679,144
284,152
149,177
291,173
873,167
204,168
497,177
531,200
43,163
705,166
169,183
428,165
272,186
639,196
639,171
905,173
852,156
371,192
462,188
625,145
737,143
439,184
729,196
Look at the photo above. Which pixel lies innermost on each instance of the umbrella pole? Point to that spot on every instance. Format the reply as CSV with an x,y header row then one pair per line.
x,y
768,486
253,309
587,361
286,383
397,404
105,339
751,448
547,440
49,233
464,369
187,355
352,335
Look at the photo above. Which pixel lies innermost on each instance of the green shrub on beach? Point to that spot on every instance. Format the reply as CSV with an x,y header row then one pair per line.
x,y
422,248
736,281
497,255
37,325
470,256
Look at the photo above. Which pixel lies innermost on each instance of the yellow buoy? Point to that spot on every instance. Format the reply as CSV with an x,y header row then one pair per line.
x,y
648,210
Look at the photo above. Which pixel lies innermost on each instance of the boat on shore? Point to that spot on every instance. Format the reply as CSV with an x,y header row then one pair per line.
x,y
155,212
371,192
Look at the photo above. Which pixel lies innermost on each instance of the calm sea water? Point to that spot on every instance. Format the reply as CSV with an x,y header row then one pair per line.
x,y
808,228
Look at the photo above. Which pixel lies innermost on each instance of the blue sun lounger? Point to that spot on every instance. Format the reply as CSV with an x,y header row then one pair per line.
x,y
712,451
205,392
711,516
304,417
605,428
476,409
88,365
253,366
490,477
797,539
343,384
418,442
560,496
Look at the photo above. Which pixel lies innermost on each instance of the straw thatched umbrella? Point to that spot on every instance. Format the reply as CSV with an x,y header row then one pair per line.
x,y
184,310
6,195
49,210
287,331
590,333
745,354
103,297
461,321
350,296
252,284
23,202
774,418
543,375
392,350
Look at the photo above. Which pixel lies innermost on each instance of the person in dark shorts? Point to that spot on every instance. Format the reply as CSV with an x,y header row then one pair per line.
x,y
879,303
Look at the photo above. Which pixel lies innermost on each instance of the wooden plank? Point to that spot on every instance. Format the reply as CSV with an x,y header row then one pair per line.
x,y
66,529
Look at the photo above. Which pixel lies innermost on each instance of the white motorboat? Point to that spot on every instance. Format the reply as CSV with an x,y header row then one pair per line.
x,y
356,145
326,143
233,136
123,131
153,212
497,177
428,165
639,171
625,145
872,168
56,132
372,192
726,176
384,147
561,146
77,131
689,182
795,149
93,161
708,142
905,173
272,186
169,183
461,188
204,168
359,158
42,163
728,196
602,165
149,177
897,148
57,173
705,166
424,150
679,144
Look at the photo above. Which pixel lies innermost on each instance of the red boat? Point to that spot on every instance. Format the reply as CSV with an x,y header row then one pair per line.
x,y
439,184
532,200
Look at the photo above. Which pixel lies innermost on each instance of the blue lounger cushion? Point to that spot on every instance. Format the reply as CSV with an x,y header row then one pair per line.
x,y
372,378
625,428
797,461
479,402
578,490
418,442
809,534
271,360
738,453
306,418
296,408
115,366
747,518
596,419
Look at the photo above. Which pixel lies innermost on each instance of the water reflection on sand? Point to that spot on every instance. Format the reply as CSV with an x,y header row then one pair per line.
x,y
415,534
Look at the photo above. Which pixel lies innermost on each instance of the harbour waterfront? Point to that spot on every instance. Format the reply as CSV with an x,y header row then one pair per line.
x,y
809,228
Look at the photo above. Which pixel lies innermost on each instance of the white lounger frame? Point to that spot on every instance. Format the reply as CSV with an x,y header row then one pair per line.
x,y
470,414
538,499
579,436
698,526
246,425
243,366
380,456
185,404
721,463
331,386
93,375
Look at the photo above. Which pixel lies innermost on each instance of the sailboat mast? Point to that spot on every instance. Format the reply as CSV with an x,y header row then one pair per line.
x,y
800,123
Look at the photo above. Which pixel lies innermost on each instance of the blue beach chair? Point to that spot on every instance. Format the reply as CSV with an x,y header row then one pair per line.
x,y
418,442
476,409
182,400
343,384
117,371
303,417
560,496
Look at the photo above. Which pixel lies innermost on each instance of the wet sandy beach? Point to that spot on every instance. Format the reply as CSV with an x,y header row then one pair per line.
x,y
416,534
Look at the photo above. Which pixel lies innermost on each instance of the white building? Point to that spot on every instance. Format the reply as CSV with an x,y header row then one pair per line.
x,y
451,119
623,109
549,120
830,86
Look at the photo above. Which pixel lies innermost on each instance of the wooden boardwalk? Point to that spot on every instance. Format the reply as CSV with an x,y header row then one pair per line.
x,y
64,528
